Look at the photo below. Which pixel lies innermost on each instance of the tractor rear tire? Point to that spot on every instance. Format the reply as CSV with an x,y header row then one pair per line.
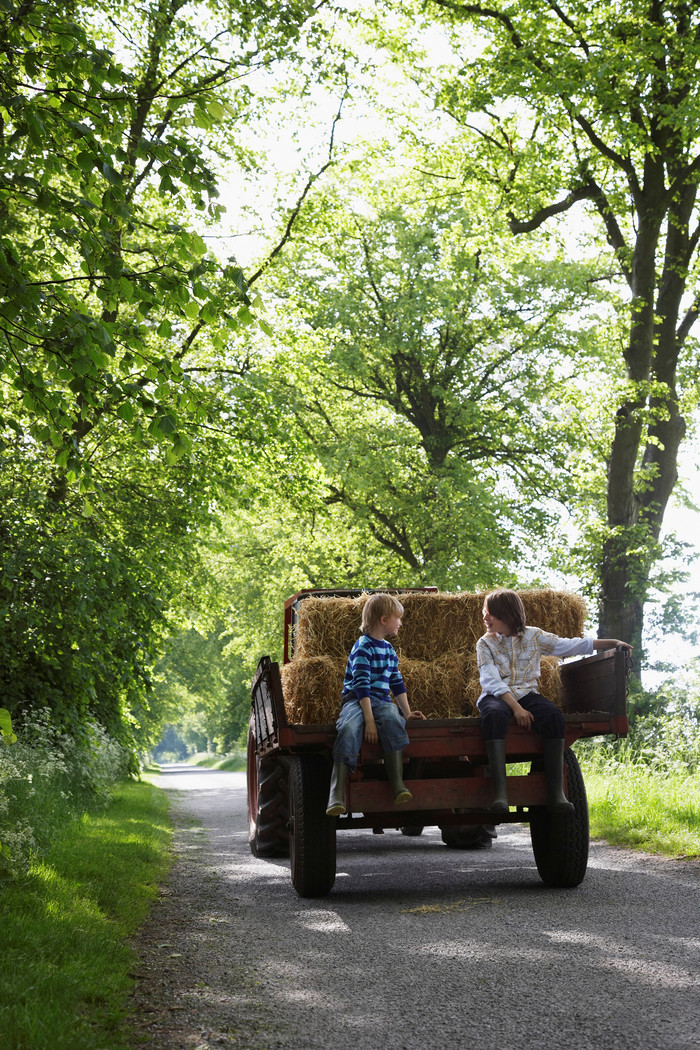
x,y
311,832
560,841
268,803
469,836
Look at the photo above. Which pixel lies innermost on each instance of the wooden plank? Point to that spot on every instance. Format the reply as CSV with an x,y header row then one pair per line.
x,y
596,684
455,793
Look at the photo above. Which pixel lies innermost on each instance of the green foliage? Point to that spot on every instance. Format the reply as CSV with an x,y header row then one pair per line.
x,y
47,779
205,688
643,789
115,319
590,111
7,736
634,807
424,362
85,598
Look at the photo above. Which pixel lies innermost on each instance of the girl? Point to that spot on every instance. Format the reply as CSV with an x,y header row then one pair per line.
x,y
508,656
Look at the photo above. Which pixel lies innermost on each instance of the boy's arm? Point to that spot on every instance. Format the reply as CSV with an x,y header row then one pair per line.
x,y
371,734
522,717
402,701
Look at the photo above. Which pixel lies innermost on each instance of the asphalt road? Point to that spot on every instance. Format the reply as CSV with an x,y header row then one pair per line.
x,y
417,947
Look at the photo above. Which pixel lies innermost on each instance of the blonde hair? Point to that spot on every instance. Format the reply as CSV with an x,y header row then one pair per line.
x,y
376,606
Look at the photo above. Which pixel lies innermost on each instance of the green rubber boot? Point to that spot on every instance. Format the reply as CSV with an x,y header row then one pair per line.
x,y
557,802
393,763
336,798
496,750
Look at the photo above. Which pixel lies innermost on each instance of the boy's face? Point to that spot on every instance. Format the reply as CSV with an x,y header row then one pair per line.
x,y
493,624
391,625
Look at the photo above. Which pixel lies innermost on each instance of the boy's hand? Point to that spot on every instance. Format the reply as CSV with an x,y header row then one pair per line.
x,y
415,714
522,717
371,734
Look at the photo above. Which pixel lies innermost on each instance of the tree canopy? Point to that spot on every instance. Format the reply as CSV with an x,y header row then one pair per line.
x,y
465,356
594,108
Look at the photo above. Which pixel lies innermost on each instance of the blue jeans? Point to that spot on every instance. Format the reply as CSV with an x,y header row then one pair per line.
x,y
391,726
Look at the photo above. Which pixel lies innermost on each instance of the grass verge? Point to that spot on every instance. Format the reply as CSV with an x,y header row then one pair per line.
x,y
632,806
67,922
235,762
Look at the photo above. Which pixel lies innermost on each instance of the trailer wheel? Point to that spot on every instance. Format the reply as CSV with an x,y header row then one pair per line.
x,y
469,836
268,803
311,832
560,841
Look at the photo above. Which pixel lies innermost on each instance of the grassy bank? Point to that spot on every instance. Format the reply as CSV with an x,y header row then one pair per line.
x,y
234,762
66,924
635,807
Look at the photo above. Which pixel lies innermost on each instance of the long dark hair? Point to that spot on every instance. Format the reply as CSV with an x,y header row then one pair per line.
x,y
507,606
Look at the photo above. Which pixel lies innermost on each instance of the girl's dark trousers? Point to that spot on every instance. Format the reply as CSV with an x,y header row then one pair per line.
x,y
496,716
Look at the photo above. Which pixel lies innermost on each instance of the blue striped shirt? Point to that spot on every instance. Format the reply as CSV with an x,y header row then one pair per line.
x,y
372,670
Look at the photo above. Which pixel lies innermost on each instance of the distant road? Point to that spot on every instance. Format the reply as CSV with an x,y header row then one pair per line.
x,y
417,948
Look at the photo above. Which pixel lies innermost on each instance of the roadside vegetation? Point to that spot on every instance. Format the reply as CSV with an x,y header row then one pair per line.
x,y
644,791
67,920
232,762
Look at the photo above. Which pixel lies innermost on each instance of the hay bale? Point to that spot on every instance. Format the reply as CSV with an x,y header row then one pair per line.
x,y
438,623
312,688
328,627
432,623
437,687
558,612
436,649
444,688
550,679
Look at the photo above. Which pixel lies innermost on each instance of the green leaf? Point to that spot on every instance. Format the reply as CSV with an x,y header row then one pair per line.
x,y
6,726
125,411
216,110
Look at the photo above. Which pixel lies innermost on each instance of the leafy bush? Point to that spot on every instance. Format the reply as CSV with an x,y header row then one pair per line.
x,y
662,744
48,778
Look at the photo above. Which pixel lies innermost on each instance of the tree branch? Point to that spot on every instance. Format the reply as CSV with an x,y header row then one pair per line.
x,y
294,214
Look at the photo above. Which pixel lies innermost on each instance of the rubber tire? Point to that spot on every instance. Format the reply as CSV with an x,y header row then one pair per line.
x,y
268,803
469,836
412,830
560,841
311,832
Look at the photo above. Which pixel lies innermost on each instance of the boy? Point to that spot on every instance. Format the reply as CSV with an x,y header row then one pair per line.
x,y
371,675
508,656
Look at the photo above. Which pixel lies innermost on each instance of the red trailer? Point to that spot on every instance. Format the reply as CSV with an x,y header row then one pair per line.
x,y
446,771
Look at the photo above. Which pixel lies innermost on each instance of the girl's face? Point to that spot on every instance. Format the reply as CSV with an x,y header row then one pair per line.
x,y
493,624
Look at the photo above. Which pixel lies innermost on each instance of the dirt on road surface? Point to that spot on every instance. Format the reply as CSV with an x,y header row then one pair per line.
x,y
418,947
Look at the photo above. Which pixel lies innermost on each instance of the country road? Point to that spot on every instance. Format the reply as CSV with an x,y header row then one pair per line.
x,y
417,948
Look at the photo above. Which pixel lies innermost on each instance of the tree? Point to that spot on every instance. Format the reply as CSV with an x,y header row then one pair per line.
x,y
427,370
115,125
107,284
597,106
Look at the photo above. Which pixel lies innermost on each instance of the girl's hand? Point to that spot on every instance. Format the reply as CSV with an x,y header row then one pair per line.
x,y
371,734
522,717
